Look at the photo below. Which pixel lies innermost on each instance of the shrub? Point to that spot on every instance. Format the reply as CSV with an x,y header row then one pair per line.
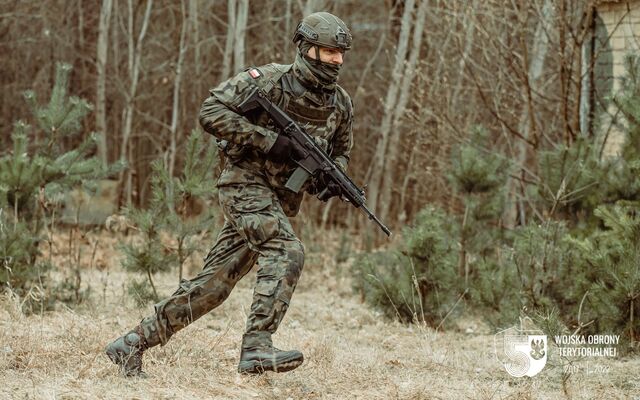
x,y
34,174
419,282
167,230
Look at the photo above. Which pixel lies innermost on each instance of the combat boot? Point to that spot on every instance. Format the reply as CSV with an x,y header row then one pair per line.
x,y
126,352
258,355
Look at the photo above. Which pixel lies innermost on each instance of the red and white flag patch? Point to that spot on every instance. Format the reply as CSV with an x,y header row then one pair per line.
x,y
254,73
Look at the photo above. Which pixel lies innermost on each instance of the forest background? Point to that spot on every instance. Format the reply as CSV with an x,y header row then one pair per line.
x,y
482,133
424,74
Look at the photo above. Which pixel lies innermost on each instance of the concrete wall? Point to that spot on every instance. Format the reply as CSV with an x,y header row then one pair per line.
x,y
620,37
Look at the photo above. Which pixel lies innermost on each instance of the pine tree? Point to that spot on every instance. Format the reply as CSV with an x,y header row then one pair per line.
x,y
574,269
570,179
609,286
195,182
169,212
417,282
611,258
621,181
479,177
426,278
35,174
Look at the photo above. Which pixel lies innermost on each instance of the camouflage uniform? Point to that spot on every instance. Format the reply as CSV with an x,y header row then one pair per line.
x,y
254,201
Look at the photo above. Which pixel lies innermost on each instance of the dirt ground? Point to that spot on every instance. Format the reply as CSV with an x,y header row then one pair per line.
x,y
350,351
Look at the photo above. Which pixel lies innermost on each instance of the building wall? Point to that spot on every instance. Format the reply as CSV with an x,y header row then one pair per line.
x,y
618,36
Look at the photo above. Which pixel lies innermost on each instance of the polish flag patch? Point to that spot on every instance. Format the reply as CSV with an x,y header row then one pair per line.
x,y
254,73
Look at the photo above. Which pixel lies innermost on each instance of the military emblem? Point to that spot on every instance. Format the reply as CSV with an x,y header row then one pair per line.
x,y
255,73
521,352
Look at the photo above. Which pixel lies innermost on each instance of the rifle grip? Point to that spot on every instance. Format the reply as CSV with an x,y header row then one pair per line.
x,y
297,179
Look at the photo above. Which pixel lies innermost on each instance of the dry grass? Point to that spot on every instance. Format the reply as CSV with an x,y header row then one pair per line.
x,y
350,352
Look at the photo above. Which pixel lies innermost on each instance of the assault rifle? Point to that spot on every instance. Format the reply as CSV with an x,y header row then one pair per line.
x,y
315,161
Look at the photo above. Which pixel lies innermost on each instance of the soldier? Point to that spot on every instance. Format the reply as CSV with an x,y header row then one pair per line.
x,y
254,199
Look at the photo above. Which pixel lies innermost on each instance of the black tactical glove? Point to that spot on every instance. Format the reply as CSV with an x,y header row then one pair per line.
x,y
327,189
285,149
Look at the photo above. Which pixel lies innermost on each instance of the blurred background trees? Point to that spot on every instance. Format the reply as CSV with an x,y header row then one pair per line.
x,y
422,74
498,130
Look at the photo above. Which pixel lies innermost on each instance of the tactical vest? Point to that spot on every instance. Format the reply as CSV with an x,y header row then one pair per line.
x,y
314,112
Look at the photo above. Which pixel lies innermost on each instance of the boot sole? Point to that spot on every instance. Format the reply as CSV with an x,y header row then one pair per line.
x,y
261,366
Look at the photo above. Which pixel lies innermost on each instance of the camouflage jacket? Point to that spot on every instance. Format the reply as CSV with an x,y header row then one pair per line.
x,y
325,115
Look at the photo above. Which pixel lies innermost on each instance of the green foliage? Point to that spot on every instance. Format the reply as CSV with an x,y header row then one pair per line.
x,y
479,176
431,251
613,258
174,195
442,257
474,170
147,256
44,171
169,211
141,292
376,280
567,274
575,179
620,182
62,116
540,256
495,290
418,282
570,177
35,173
18,253
344,251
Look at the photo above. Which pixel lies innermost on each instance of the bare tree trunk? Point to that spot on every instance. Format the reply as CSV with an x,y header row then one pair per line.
x,y
101,63
586,97
227,57
388,182
135,53
471,28
115,38
195,33
175,114
527,124
288,35
239,35
389,107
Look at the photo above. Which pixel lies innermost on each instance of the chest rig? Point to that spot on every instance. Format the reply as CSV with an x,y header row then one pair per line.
x,y
310,109
316,112
313,111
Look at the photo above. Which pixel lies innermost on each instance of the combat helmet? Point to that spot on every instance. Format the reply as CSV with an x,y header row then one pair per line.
x,y
324,29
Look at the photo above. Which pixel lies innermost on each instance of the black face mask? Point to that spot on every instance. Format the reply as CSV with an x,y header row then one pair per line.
x,y
326,73
317,74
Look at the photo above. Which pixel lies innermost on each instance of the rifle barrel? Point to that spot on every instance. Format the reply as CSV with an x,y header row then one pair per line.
x,y
376,220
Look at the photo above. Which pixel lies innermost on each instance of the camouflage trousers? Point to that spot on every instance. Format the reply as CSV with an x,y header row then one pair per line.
x,y
255,230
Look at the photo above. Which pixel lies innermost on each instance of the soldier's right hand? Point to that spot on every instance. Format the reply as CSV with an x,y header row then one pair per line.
x,y
326,188
285,149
